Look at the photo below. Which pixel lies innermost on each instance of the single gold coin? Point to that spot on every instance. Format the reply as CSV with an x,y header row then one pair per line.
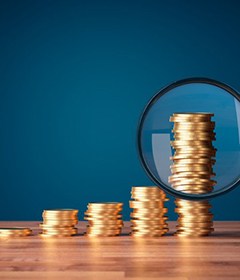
x,y
139,226
105,223
146,217
195,136
183,176
196,187
195,153
194,124
195,181
104,227
146,188
145,204
186,219
15,232
43,225
105,205
103,231
204,115
185,156
59,212
193,161
62,231
191,143
186,203
150,211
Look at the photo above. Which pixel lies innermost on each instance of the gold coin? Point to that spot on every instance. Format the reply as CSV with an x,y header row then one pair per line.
x,y
191,115
106,204
185,156
60,212
43,225
195,230
148,222
146,188
104,212
145,204
184,220
194,154
186,234
189,202
15,232
104,227
191,143
146,199
193,205
183,128
150,211
148,191
191,174
149,226
149,231
195,136
108,225
148,194
102,234
181,176
103,217
203,167
195,161
194,189
103,231
143,235
195,181
198,149
148,218
194,124
57,234
111,205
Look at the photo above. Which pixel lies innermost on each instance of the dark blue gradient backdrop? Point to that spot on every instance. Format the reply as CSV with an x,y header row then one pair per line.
x,y
74,79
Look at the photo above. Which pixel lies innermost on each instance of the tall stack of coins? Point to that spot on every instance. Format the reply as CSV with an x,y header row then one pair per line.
x,y
192,170
148,216
59,222
104,218
15,232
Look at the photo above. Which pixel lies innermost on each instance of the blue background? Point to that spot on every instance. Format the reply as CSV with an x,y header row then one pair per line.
x,y
75,77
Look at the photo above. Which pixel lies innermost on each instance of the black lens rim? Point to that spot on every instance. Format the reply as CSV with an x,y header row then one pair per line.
x,y
158,182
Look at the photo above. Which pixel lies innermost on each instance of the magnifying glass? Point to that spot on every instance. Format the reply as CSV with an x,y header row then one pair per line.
x,y
155,132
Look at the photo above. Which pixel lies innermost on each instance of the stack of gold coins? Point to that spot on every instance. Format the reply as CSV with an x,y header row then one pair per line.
x,y
192,170
59,222
15,232
104,218
148,216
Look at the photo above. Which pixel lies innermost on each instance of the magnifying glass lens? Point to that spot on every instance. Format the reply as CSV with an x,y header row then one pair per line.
x,y
192,126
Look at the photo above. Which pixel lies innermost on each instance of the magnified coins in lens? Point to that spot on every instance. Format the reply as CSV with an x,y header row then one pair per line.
x,y
189,139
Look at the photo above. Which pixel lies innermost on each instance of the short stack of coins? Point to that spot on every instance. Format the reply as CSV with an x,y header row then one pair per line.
x,y
192,170
104,218
15,232
59,222
148,215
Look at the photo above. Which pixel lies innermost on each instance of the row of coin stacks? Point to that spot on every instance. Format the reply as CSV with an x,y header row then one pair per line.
x,y
148,218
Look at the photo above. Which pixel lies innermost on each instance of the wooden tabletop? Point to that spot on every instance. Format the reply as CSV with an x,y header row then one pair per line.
x,y
122,257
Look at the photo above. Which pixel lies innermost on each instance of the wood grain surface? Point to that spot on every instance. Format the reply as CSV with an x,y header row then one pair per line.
x,y
122,257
